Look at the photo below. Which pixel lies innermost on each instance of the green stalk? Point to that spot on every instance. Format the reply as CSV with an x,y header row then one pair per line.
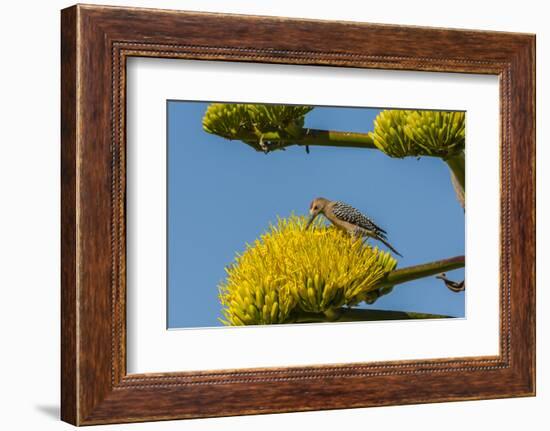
x,y
363,315
313,137
335,138
410,273
457,165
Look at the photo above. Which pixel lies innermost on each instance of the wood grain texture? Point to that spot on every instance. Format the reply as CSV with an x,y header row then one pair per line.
x,y
68,218
96,41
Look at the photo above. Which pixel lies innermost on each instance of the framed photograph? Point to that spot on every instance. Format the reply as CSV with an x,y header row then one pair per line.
x,y
268,215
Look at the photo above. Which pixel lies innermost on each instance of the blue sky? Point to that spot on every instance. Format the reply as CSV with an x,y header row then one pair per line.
x,y
223,194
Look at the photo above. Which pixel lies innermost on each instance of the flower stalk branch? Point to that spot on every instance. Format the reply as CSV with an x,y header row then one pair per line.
x,y
309,137
411,273
363,315
457,165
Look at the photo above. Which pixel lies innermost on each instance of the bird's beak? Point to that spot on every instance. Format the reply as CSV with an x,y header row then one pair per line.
x,y
311,218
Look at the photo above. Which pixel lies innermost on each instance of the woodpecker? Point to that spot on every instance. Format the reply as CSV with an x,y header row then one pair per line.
x,y
349,219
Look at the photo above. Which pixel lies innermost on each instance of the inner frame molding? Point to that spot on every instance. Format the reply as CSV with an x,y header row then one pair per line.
x,y
152,81
121,52
96,42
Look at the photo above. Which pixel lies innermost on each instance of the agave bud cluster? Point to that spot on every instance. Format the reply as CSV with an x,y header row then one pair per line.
x,y
290,270
402,133
226,119
250,122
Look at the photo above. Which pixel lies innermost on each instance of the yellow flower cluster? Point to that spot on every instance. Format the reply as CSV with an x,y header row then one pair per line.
x,y
225,119
240,120
290,270
401,133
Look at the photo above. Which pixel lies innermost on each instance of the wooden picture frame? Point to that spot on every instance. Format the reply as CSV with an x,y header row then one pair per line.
x,y
95,43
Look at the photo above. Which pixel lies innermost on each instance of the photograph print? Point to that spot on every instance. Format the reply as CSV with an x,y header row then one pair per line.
x,y
294,214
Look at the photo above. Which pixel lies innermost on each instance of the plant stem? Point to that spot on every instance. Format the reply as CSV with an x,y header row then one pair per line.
x,y
313,137
336,139
362,315
457,165
420,271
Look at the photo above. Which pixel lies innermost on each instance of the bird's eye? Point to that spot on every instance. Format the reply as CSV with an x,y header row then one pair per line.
x,y
315,208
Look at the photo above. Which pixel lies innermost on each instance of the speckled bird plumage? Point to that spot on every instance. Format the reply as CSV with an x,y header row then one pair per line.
x,y
350,219
347,213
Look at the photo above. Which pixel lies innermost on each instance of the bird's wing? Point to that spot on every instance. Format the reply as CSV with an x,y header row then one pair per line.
x,y
351,215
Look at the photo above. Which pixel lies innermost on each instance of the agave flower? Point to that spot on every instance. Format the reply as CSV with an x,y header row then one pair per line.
x,y
290,270
255,124
402,133
293,275
226,119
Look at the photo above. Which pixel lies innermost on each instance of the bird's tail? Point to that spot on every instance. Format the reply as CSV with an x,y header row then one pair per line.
x,y
360,232
387,244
